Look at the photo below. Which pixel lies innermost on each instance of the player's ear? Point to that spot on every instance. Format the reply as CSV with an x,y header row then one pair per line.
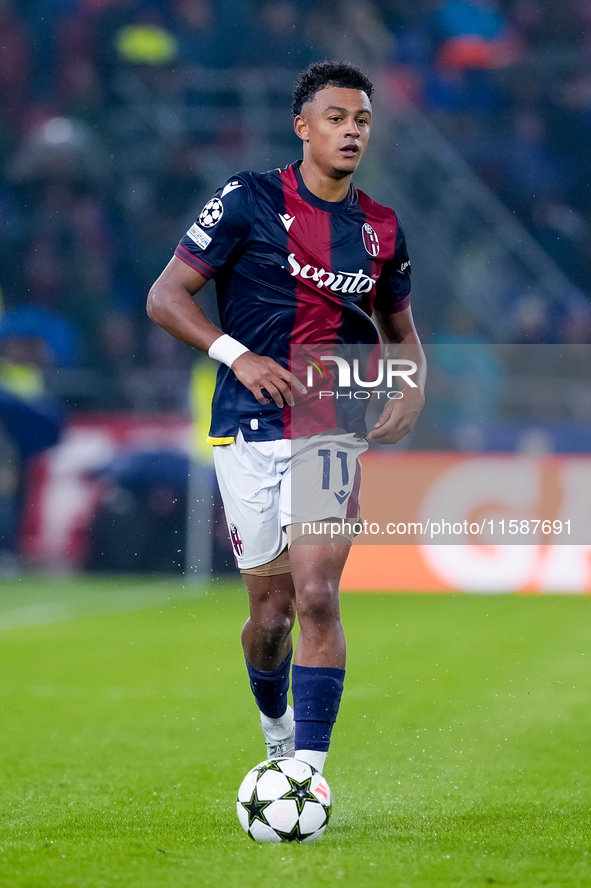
x,y
300,126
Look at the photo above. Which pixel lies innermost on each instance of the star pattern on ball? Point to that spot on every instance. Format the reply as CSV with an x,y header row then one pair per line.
x,y
300,792
255,808
295,835
272,765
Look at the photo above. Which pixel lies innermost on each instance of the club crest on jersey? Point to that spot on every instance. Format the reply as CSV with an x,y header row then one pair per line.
x,y
237,543
211,213
370,240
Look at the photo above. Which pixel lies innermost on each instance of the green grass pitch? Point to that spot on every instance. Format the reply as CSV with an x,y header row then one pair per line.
x,y
461,755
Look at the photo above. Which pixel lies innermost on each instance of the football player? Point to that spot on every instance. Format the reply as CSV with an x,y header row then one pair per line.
x,y
300,257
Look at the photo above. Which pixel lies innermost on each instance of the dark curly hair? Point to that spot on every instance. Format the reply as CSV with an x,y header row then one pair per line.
x,y
331,72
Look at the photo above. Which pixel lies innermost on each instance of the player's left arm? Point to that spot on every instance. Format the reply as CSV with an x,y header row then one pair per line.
x,y
399,416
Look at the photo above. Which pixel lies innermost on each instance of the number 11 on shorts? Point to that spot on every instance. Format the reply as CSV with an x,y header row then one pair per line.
x,y
342,457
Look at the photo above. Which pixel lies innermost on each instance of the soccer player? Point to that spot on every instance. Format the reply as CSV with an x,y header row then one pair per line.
x,y
300,257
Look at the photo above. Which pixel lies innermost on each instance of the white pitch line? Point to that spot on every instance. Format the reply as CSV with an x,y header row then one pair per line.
x,y
120,601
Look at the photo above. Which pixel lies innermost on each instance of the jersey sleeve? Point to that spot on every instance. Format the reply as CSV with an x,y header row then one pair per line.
x,y
221,229
393,286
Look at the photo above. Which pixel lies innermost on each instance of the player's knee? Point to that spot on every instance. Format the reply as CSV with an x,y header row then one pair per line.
x,y
318,605
272,634
280,625
267,633
273,626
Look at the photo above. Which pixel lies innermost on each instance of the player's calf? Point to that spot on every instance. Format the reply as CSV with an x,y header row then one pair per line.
x,y
266,639
270,692
319,674
266,636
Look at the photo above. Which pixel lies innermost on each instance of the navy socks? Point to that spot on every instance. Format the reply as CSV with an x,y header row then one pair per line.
x,y
270,688
317,695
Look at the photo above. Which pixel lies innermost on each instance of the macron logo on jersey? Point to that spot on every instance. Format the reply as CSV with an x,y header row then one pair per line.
x,y
231,186
287,220
341,282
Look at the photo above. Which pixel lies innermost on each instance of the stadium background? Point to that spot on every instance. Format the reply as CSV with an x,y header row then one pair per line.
x,y
117,122
461,755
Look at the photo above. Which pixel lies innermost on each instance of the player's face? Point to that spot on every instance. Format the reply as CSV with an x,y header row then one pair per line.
x,y
335,127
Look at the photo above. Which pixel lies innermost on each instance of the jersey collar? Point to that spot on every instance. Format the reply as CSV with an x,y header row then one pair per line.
x,y
330,206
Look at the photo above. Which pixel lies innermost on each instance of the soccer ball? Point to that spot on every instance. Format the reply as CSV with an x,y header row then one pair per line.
x,y
284,800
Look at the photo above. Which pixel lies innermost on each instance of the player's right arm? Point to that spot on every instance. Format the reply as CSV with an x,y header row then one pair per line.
x,y
172,307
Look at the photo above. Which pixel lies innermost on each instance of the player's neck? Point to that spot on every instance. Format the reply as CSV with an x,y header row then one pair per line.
x,y
323,186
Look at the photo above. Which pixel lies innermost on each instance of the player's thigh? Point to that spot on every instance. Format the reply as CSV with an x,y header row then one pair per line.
x,y
271,600
249,483
318,566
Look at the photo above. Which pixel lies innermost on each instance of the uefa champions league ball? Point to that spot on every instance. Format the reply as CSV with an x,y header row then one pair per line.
x,y
284,800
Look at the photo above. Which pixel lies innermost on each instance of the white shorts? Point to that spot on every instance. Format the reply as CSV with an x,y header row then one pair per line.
x,y
268,485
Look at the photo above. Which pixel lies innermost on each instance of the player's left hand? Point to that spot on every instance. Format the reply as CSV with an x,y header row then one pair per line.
x,y
398,417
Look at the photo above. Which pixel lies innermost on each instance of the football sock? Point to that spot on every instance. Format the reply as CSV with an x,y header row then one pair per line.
x,y
317,695
270,688
312,757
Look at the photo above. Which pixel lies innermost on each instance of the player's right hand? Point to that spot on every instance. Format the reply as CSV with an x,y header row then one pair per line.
x,y
258,372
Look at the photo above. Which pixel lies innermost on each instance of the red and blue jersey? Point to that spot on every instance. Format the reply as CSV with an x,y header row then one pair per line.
x,y
291,270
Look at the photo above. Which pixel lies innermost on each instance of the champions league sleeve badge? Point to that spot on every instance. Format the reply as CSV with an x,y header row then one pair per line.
x,y
211,213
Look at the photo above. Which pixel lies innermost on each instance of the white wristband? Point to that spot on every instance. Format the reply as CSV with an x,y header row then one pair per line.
x,y
226,350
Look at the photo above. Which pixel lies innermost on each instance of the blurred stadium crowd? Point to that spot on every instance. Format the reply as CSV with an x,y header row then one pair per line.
x,y
94,196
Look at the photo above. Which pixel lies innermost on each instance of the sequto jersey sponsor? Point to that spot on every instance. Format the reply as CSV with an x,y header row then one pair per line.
x,y
339,282
292,269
